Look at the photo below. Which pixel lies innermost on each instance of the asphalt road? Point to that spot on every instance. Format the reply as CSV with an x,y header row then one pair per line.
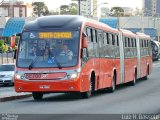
x,y
6,90
142,98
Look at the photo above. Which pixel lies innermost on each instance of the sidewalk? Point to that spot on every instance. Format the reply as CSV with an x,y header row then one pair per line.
x,y
8,93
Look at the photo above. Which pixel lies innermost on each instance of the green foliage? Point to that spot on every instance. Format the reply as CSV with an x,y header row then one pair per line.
x,y
64,9
1,42
117,12
1,45
40,8
71,9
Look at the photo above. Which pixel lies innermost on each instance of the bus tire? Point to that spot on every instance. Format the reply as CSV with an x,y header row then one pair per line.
x,y
133,82
146,77
37,95
113,87
87,94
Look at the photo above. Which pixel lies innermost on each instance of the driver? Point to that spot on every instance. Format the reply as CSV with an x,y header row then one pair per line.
x,y
66,52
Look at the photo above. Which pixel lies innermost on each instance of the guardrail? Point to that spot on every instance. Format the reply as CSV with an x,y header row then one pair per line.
x,y
7,57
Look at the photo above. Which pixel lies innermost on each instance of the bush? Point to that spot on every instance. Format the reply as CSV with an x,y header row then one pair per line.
x,y
1,45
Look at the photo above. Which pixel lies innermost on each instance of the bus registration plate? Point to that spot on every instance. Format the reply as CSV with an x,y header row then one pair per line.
x,y
33,76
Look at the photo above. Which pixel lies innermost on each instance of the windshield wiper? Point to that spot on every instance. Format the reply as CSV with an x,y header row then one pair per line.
x,y
32,63
55,59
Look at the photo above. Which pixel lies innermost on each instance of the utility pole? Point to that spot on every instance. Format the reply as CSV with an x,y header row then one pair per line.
x,y
79,4
142,29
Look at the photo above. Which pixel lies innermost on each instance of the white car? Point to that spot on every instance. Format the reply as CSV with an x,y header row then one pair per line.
x,y
7,74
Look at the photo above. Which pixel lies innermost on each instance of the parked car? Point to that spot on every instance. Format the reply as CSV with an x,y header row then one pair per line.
x,y
155,45
7,74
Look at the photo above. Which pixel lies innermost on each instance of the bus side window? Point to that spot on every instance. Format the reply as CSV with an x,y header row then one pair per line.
x,y
90,42
113,39
96,44
88,31
100,43
107,35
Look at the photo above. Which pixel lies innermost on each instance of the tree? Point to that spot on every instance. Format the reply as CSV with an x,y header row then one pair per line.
x,y
53,13
73,9
64,9
138,12
40,8
117,11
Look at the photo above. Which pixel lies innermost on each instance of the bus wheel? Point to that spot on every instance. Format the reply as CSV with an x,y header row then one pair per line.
x,y
133,82
113,87
87,94
146,77
37,95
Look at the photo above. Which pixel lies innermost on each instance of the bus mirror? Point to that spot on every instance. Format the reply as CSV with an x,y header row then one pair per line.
x,y
85,42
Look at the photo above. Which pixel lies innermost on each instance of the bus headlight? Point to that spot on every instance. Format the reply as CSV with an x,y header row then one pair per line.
x,y
21,77
72,76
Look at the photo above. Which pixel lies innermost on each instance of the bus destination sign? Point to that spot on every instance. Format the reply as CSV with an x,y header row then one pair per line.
x,y
56,35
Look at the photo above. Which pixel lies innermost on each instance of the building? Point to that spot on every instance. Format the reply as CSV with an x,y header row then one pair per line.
x,y
16,8
88,8
148,24
4,9
94,8
85,8
151,7
104,11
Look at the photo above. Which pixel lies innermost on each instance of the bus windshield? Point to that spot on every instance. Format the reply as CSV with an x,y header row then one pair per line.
x,y
48,49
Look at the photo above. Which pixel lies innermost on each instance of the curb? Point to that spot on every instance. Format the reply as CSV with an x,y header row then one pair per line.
x,y
14,97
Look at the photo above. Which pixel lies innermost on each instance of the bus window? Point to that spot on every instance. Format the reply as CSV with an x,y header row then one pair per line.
x,y
113,39
89,34
108,39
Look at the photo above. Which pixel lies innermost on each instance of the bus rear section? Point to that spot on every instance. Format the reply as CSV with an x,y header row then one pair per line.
x,y
145,55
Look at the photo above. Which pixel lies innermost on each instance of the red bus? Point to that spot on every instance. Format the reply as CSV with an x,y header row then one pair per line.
x,y
97,56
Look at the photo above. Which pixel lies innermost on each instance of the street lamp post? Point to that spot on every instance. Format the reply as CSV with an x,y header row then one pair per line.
x,y
79,4
96,8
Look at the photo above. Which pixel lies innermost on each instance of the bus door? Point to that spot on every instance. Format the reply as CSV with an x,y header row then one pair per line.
x,y
121,46
93,53
100,40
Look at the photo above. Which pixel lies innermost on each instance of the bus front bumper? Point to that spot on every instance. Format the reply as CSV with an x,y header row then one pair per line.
x,y
45,86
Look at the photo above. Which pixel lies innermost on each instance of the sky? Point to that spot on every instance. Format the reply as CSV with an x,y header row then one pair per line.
x,y
53,4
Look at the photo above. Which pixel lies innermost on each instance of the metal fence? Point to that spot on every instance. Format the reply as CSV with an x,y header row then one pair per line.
x,y
6,57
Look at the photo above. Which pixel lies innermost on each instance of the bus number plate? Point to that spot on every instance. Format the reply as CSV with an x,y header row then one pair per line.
x,y
33,76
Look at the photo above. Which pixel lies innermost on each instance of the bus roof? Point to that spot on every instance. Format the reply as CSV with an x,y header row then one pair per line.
x,y
128,33
56,22
102,25
65,22
143,35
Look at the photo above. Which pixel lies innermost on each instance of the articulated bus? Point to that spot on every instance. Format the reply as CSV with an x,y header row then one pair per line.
x,y
100,56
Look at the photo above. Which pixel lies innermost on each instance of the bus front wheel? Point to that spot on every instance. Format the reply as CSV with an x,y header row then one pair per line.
x,y
87,94
37,95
